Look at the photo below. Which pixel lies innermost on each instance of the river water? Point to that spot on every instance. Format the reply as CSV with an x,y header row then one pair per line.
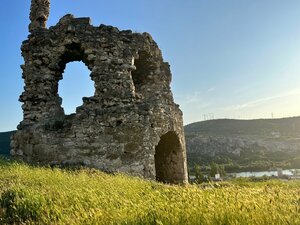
x,y
263,173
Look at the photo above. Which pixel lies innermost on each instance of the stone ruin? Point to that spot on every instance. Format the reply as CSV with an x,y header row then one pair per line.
x,y
130,125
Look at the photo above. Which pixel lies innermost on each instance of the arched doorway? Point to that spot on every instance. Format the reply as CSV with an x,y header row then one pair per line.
x,y
169,160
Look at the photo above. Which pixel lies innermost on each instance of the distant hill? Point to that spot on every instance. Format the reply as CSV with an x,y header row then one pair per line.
x,y
5,142
245,144
286,126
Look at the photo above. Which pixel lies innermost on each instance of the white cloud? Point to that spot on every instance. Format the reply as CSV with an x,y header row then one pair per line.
x,y
264,100
211,89
190,98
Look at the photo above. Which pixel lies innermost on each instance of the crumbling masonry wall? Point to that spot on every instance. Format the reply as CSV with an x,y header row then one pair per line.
x,y
131,124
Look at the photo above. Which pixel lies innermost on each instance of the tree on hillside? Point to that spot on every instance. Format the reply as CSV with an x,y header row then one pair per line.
x,y
217,169
221,170
199,177
213,169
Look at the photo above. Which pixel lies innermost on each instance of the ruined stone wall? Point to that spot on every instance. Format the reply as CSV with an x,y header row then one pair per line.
x,y
131,124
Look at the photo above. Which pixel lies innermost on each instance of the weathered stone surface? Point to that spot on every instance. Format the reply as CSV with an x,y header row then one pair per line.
x,y
39,13
131,124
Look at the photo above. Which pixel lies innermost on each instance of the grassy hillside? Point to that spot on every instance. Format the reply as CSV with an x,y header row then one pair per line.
x,y
31,195
5,142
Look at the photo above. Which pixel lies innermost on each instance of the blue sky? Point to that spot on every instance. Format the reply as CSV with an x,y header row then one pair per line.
x,y
230,58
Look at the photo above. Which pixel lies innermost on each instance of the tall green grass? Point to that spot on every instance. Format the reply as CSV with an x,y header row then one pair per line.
x,y
33,195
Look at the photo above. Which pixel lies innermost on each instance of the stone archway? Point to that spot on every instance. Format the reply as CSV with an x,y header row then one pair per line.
x,y
73,52
169,160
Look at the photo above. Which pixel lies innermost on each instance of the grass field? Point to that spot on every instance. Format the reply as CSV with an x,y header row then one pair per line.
x,y
32,195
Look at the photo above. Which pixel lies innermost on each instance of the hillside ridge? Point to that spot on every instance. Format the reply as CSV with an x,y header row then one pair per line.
x,y
5,142
245,144
288,125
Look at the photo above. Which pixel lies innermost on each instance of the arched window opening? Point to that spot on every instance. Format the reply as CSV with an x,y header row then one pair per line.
x,y
169,161
75,85
141,76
